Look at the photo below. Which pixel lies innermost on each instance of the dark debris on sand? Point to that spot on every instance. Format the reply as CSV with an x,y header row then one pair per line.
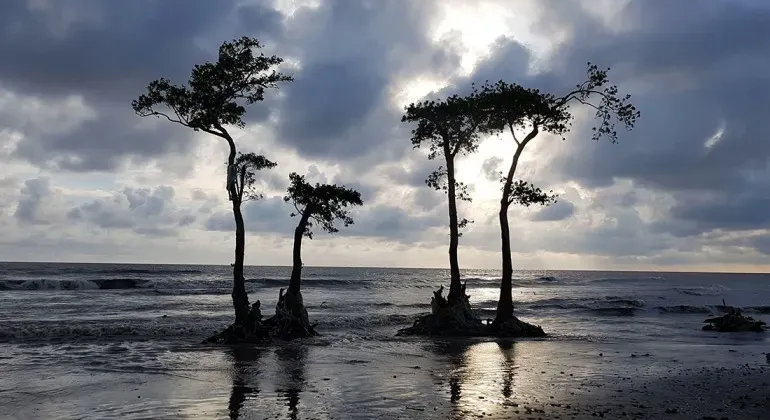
x,y
705,393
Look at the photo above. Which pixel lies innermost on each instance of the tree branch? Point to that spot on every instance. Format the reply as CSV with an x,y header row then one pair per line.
x,y
510,126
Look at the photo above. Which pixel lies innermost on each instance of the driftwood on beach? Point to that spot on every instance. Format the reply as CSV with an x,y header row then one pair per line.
x,y
733,321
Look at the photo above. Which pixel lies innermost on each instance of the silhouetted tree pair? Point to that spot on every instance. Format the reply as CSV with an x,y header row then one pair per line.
x,y
215,97
453,127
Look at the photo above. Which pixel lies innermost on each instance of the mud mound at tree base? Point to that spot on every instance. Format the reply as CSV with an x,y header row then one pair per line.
x,y
457,319
734,321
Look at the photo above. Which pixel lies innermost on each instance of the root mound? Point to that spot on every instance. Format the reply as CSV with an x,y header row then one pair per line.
x,y
290,322
252,331
458,319
447,319
514,328
734,321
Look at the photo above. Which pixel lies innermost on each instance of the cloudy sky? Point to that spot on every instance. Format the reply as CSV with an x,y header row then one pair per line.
x,y
82,178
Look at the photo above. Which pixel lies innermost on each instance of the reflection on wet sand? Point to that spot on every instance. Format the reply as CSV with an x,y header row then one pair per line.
x,y
245,360
474,380
507,368
291,361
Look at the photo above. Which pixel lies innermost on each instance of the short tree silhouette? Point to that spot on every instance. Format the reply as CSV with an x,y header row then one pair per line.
x,y
323,205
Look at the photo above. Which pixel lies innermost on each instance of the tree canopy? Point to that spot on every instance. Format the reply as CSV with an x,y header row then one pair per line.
x,y
511,106
216,93
323,204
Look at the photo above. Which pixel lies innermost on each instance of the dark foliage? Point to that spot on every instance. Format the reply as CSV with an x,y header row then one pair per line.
x,y
323,203
245,168
510,106
216,93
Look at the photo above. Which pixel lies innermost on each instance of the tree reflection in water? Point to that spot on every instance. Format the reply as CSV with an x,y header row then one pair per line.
x,y
245,361
291,361
473,369
507,367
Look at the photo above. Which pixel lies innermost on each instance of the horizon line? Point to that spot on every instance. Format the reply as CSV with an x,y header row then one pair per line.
x,y
389,267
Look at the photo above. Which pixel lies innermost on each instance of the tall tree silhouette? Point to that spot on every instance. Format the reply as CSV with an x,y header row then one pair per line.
x,y
511,107
324,205
449,128
215,97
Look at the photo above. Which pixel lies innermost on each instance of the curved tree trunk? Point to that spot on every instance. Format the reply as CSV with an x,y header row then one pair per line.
x,y
505,303
291,320
455,286
505,322
296,269
248,325
239,295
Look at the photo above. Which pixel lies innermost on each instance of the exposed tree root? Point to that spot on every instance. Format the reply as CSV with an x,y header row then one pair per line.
x,y
734,321
290,320
458,320
447,319
251,331
514,327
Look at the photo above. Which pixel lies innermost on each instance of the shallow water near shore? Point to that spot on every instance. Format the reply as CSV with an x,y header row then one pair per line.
x,y
118,341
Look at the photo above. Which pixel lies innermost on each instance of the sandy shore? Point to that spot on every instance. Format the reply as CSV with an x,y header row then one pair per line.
x,y
340,378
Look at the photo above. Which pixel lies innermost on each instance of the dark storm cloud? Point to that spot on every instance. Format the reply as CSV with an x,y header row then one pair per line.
x,y
107,52
697,73
762,243
110,50
338,107
102,144
747,212
269,215
33,195
712,66
273,215
144,211
561,210
392,222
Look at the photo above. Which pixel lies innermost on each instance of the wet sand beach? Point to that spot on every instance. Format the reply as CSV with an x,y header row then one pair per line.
x,y
387,379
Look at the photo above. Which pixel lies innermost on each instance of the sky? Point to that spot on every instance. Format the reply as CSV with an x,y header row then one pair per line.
x,y
84,179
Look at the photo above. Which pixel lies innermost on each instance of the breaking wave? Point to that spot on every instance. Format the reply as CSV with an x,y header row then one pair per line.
x,y
713,290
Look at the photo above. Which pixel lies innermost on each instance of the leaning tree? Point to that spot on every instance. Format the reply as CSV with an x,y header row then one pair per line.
x,y
214,98
448,128
512,108
324,205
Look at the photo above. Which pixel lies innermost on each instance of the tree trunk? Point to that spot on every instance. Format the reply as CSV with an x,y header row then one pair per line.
x,y
239,295
291,320
455,286
296,269
505,303
505,323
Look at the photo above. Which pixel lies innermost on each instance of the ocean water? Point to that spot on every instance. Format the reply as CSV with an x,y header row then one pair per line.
x,y
79,340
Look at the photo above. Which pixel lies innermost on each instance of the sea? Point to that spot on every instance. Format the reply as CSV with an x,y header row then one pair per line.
x,y
123,340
